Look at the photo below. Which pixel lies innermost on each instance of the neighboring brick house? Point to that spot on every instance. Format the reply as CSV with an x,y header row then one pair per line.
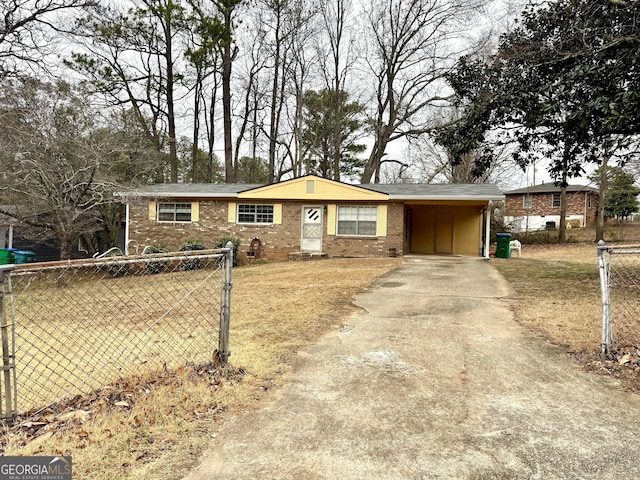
x,y
538,207
316,216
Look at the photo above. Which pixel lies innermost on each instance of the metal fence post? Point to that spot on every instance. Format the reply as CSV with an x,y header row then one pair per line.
x,y
604,288
7,408
225,313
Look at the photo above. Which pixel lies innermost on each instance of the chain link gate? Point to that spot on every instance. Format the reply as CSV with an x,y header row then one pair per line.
x,y
69,328
620,287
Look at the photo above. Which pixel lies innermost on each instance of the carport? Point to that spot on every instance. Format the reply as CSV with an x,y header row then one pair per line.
x,y
450,219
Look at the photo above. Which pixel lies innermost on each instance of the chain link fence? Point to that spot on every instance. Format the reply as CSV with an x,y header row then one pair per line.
x,y
620,285
69,328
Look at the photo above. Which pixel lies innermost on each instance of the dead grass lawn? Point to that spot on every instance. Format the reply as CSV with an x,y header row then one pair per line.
x,y
156,426
559,297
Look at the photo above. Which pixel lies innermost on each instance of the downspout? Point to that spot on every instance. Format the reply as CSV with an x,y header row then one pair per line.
x,y
10,244
126,227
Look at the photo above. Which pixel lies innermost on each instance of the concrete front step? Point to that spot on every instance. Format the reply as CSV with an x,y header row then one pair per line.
x,y
303,256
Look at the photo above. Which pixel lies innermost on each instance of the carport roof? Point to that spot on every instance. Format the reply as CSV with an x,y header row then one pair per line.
x,y
398,191
436,191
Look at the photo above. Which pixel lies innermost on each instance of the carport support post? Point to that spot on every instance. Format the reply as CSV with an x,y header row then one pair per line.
x,y
604,288
487,232
225,314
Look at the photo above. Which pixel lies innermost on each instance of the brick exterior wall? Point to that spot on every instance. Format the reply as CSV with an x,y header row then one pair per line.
x,y
541,204
277,240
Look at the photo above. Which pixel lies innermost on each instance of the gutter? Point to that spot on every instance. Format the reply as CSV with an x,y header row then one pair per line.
x,y
448,197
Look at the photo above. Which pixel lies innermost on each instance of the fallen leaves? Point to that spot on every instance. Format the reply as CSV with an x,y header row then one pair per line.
x,y
625,359
34,429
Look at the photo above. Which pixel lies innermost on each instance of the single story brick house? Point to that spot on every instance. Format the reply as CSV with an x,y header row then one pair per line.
x,y
316,216
538,207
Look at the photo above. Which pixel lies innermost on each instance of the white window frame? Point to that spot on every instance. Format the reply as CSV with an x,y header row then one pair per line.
x,y
360,218
164,208
259,212
553,200
527,201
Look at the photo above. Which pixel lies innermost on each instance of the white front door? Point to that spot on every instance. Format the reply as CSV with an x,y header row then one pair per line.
x,y
311,229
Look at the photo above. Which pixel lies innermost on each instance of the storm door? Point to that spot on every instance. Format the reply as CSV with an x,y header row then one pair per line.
x,y
311,229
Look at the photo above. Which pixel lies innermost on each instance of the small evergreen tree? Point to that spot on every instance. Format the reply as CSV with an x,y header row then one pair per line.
x,y
622,197
332,128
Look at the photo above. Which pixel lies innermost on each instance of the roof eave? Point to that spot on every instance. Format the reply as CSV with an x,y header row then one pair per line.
x,y
483,198
176,195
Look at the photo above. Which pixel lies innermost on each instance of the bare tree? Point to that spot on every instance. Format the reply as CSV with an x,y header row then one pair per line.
x,y
227,11
275,12
254,89
53,164
300,67
203,54
129,57
430,163
338,59
27,28
411,51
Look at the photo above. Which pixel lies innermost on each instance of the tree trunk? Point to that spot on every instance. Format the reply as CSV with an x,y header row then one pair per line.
x,y
373,163
275,87
171,119
66,247
562,234
196,126
226,102
603,185
211,133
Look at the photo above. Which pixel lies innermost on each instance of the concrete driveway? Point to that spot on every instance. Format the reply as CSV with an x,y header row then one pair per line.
x,y
433,379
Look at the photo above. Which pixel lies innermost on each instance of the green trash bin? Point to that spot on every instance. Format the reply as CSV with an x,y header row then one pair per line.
x,y
6,257
503,250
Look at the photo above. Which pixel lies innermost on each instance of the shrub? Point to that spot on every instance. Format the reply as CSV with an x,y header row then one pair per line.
x,y
156,248
537,237
120,269
498,226
155,266
192,244
222,242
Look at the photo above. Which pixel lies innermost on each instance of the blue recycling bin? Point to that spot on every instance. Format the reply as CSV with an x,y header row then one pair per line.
x,y
22,256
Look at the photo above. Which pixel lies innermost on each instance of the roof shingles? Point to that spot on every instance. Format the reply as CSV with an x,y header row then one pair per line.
x,y
399,191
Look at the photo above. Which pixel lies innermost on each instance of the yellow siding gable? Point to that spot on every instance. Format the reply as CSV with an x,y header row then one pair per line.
x,y
313,188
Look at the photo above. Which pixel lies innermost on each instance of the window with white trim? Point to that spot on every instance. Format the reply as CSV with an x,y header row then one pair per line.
x,y
527,201
174,212
555,200
361,221
249,213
